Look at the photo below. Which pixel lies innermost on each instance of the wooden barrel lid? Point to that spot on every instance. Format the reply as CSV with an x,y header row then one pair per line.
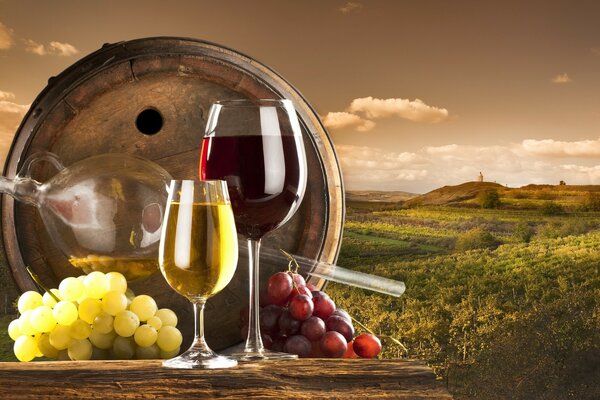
x,y
150,97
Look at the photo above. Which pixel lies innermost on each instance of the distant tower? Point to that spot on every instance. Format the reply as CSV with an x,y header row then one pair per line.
x,y
480,177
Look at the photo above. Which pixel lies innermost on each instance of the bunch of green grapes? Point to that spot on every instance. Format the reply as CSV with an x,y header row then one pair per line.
x,y
93,316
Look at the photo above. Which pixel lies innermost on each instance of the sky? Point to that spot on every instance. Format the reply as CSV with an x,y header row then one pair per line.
x,y
415,95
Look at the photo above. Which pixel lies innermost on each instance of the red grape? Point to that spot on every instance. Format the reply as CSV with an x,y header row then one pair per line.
x,y
333,344
318,293
288,326
299,345
316,349
350,351
277,344
313,328
279,288
269,317
343,313
297,290
298,280
311,287
340,325
267,341
367,345
324,307
301,307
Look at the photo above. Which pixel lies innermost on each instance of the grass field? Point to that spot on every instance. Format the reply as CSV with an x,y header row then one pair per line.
x,y
503,303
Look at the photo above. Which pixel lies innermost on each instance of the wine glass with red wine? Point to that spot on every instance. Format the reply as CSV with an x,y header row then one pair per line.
x,y
256,147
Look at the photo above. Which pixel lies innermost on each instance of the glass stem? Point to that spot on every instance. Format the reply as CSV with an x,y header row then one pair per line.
x,y
199,342
254,342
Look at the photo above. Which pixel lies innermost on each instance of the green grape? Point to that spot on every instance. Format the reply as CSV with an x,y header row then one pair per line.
x,y
63,355
70,289
103,341
42,319
45,347
25,326
29,300
123,348
37,344
96,285
147,353
99,354
48,300
169,338
89,309
116,282
60,337
80,330
25,348
155,322
167,316
165,355
114,302
103,323
125,323
145,336
13,329
80,349
144,306
65,312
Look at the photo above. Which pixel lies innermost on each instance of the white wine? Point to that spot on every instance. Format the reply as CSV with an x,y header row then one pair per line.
x,y
131,268
199,252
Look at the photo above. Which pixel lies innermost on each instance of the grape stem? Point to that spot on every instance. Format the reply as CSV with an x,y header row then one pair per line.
x,y
292,261
393,339
37,280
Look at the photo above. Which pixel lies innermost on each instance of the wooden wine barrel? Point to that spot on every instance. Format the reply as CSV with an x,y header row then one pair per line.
x,y
150,97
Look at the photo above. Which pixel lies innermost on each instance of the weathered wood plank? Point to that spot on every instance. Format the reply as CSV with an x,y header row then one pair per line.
x,y
297,379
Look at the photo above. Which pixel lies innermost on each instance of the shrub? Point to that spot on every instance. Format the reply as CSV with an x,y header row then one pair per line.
x,y
489,199
591,202
476,238
552,208
523,231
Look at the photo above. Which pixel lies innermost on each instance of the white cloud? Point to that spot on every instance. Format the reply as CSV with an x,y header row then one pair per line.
x,y
11,115
562,78
6,37
413,110
557,148
362,111
6,95
338,120
371,168
350,6
515,165
53,48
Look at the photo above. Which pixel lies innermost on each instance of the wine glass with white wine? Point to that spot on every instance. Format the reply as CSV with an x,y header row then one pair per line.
x,y
198,256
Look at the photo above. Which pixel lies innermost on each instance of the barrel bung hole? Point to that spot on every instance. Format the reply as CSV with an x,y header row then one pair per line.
x,y
149,121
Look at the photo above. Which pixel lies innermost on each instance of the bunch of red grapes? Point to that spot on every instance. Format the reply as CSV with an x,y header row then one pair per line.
x,y
300,319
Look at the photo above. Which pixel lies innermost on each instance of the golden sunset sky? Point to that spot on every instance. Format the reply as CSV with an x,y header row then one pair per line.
x,y
415,94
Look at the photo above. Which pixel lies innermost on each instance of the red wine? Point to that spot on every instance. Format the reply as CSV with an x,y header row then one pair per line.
x,y
266,177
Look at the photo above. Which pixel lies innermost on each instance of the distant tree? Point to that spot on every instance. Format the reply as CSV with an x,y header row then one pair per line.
x,y
562,183
489,199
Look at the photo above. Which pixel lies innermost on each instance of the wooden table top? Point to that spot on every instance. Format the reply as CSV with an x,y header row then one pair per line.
x,y
290,379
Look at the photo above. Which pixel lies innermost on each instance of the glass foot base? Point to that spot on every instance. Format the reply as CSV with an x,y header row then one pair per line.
x,y
239,353
187,362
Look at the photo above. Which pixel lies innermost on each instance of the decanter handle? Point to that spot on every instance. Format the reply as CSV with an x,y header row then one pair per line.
x,y
25,171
